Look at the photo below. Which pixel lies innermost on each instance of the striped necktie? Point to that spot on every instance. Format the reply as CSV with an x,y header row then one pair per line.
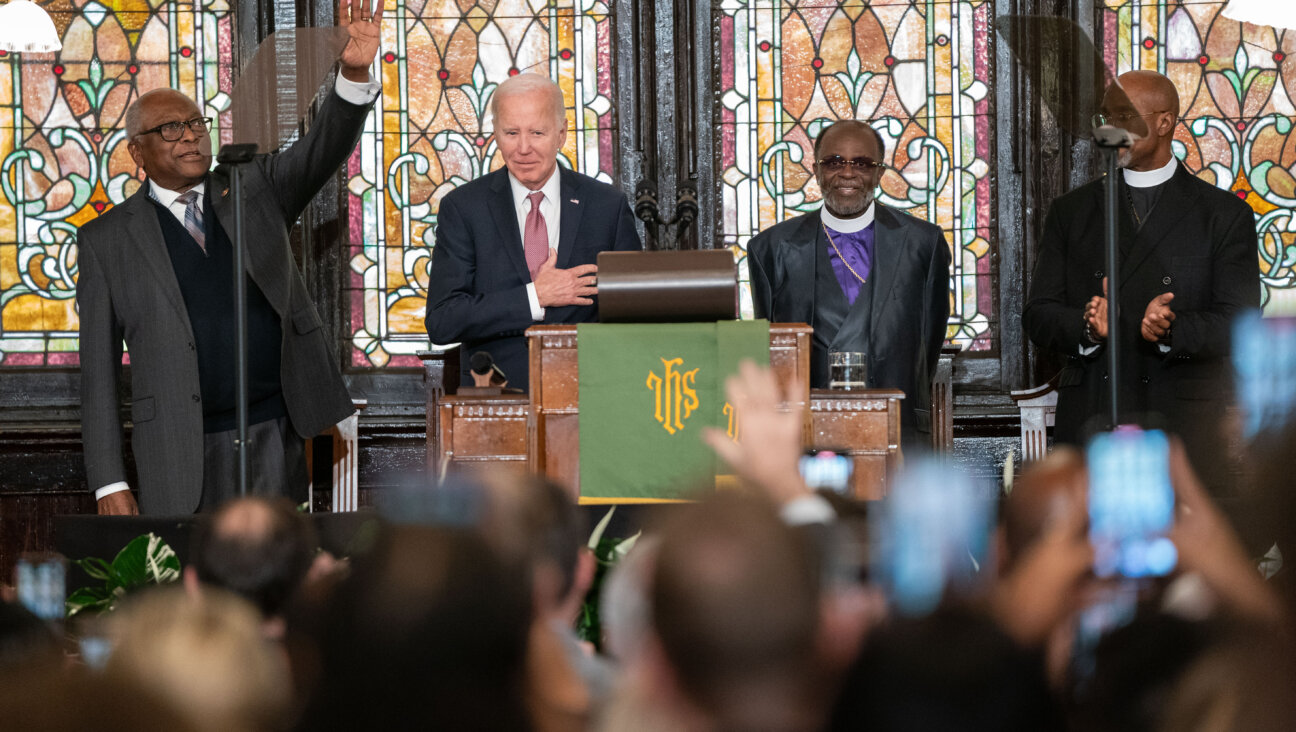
x,y
193,218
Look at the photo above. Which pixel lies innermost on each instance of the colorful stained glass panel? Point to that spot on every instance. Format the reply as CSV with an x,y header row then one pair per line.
x,y
63,157
919,71
431,132
1237,85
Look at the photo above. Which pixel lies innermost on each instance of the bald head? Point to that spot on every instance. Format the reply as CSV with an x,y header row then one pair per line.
x,y
1145,104
1150,92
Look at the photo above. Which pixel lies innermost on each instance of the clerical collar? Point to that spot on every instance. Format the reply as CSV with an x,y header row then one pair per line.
x,y
1151,178
847,226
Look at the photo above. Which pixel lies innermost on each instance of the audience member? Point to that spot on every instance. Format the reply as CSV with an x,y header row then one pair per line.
x,y
735,611
26,641
205,655
954,671
538,521
429,631
258,548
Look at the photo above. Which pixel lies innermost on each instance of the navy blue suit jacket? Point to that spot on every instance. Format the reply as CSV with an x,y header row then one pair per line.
x,y
477,285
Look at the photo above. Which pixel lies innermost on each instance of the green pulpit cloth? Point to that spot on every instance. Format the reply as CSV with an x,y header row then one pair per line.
x,y
646,392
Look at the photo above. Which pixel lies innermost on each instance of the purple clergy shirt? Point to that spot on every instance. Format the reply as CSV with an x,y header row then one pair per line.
x,y
857,248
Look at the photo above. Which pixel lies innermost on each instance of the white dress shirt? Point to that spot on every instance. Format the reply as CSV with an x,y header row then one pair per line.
x,y
551,209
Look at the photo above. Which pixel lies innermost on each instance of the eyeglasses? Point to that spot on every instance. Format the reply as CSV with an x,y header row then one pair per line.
x,y
172,131
837,162
1120,118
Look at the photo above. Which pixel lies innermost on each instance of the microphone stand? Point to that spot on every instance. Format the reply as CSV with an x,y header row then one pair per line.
x,y
1112,140
235,156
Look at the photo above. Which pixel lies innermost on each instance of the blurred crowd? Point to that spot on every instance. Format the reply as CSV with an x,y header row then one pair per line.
x,y
768,608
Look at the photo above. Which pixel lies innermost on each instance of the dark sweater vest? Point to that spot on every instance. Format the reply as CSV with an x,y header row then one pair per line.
x,y
207,285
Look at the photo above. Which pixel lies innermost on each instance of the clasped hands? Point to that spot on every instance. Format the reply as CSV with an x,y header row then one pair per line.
x,y
557,287
1155,326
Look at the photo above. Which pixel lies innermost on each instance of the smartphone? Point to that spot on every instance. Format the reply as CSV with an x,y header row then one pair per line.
x,y
41,581
930,536
1131,503
827,469
1264,363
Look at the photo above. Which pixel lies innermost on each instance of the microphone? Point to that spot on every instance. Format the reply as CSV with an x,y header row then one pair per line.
x,y
484,370
1112,136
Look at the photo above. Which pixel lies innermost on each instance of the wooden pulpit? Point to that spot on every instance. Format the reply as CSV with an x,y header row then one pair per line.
x,y
540,432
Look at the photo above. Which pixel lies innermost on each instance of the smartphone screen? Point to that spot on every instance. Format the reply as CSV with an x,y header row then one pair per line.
x,y
930,535
1131,503
41,581
827,469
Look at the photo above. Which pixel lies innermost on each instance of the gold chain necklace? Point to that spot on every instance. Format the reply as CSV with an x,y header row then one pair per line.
x,y
1138,220
839,254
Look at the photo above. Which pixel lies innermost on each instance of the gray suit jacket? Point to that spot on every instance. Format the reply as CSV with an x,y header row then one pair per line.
x,y
127,291
909,307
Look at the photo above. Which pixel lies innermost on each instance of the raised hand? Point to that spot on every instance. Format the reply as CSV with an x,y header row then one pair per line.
x,y
360,50
575,286
771,417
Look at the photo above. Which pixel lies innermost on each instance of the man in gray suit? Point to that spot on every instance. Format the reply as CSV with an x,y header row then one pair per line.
x,y
157,272
867,278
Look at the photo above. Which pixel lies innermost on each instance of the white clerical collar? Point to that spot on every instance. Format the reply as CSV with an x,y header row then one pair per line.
x,y
847,226
166,196
1151,178
551,189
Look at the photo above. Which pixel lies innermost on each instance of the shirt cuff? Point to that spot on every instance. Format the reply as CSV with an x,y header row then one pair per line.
x,y
110,489
810,509
537,312
356,92
1163,348
1089,350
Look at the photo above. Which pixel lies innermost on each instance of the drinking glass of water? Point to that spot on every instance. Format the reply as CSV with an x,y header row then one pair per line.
x,y
847,370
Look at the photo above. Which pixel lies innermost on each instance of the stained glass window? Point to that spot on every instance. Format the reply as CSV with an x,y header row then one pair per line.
x,y
1237,85
63,157
431,131
920,71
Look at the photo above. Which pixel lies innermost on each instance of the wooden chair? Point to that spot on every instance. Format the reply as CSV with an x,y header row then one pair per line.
x,y
1038,407
345,460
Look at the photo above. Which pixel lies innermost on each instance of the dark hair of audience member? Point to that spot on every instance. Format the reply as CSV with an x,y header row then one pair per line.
x,y
541,515
735,604
1027,512
1243,682
257,548
26,641
429,631
953,670
1136,669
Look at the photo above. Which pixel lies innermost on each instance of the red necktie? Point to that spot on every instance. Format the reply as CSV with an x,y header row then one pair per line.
x,y
535,239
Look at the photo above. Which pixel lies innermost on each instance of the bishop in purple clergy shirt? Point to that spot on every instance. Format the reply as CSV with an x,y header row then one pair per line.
x,y
904,260
850,251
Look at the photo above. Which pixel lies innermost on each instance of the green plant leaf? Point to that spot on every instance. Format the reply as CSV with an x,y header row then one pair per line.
x,y
129,563
96,568
163,565
87,598
597,535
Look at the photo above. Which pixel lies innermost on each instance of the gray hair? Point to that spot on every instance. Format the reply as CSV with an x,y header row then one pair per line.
x,y
526,84
132,119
